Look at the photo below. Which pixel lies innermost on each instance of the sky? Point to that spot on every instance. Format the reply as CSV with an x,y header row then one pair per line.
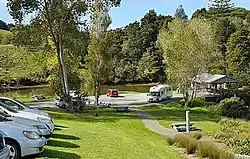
x,y
132,10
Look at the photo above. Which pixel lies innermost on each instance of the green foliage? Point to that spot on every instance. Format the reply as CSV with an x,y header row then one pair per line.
x,y
233,108
5,37
18,63
187,142
180,43
3,25
238,54
236,135
220,8
197,102
150,67
224,28
208,149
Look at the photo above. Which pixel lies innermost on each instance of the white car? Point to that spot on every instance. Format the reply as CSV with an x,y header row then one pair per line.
x,y
28,115
17,105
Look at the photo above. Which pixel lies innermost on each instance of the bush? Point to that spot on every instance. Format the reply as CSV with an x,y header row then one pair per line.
x,y
240,146
171,140
196,135
208,149
187,142
233,108
198,102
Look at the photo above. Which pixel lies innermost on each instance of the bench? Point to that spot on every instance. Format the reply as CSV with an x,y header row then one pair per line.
x,y
121,109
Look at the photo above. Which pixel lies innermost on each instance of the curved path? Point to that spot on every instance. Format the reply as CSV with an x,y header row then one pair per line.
x,y
153,125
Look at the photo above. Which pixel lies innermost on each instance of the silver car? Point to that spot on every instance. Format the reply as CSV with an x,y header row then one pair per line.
x,y
43,128
4,108
4,151
17,105
21,140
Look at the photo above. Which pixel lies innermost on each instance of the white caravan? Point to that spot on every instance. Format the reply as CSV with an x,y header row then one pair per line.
x,y
159,93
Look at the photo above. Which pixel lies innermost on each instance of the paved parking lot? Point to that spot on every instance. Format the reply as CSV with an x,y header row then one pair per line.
x,y
123,99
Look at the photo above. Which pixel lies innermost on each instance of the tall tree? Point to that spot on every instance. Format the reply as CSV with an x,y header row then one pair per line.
x,y
180,44
223,28
59,18
220,8
98,62
238,55
180,13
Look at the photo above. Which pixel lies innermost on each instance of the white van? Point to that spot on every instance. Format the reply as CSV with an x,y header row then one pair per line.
x,y
159,93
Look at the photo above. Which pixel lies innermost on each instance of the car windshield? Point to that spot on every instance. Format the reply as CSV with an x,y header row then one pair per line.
x,y
9,108
22,104
154,93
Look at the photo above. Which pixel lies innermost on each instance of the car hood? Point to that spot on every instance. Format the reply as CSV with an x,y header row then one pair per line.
x,y
36,111
25,120
29,115
10,127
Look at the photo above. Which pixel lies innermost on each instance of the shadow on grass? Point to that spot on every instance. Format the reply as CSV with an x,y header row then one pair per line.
x,y
66,137
60,126
48,153
57,143
57,129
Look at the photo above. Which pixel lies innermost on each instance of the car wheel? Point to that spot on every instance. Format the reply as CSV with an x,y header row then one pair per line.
x,y
15,151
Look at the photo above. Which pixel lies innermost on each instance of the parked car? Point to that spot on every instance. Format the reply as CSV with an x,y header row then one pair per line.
x,y
43,128
21,140
4,151
17,105
112,93
27,115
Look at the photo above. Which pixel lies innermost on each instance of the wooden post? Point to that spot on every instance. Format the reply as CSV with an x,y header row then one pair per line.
x,y
187,122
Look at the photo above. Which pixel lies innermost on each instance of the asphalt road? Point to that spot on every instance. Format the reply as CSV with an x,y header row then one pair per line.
x,y
123,99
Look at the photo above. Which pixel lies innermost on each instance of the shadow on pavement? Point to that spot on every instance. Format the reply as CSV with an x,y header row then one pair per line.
x,y
66,137
65,144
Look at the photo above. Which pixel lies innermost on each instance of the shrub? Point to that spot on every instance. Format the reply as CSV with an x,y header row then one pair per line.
x,y
197,102
187,142
240,146
196,135
233,108
171,140
208,149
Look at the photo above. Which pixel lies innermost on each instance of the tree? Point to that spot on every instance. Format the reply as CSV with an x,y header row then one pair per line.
x,y
150,67
98,59
238,55
188,48
3,25
180,13
220,8
223,30
59,18
200,13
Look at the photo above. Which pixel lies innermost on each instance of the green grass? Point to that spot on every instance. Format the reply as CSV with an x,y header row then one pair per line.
x,y
173,112
110,135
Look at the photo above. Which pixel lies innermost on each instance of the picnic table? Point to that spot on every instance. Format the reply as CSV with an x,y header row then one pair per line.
x,y
181,127
124,108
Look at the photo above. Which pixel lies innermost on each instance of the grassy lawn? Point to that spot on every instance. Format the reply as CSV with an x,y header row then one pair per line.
x,y
110,135
172,112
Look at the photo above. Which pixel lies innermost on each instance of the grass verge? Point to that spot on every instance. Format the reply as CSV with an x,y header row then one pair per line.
x,y
110,135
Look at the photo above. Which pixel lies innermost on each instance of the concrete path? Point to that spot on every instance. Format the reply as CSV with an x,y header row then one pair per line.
x,y
153,125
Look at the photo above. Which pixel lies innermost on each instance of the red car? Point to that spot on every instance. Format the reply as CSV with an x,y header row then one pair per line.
x,y
112,93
